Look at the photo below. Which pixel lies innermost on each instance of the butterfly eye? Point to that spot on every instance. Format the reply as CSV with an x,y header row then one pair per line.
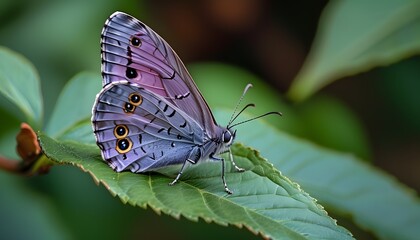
x,y
120,131
123,145
135,99
129,108
135,41
227,137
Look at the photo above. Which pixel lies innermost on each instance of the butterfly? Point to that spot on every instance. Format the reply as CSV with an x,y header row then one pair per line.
x,y
150,113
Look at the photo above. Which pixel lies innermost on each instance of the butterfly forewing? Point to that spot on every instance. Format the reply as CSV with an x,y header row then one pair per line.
x,y
134,52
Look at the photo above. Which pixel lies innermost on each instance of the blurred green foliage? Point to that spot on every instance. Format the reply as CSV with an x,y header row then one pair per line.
x,y
60,38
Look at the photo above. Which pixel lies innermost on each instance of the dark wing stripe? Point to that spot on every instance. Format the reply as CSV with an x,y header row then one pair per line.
x,y
156,54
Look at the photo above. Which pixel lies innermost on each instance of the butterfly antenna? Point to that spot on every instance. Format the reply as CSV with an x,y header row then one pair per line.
x,y
254,118
234,115
239,113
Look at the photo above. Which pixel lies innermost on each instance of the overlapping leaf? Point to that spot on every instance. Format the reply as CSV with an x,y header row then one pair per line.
x,y
355,36
74,104
20,84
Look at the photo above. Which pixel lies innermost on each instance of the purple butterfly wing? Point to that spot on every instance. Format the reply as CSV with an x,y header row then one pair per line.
x,y
144,135
132,51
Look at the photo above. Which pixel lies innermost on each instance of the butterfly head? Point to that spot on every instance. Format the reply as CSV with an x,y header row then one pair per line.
x,y
228,137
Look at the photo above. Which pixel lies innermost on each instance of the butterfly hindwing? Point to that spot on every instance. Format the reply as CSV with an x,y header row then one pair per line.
x,y
134,52
141,131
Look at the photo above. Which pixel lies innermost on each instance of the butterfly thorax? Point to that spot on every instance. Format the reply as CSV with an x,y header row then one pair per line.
x,y
219,143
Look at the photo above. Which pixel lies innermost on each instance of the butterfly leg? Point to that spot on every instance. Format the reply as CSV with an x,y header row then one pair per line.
x,y
193,157
223,173
239,169
179,174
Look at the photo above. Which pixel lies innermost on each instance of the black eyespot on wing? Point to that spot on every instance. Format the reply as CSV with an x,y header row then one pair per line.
x,y
135,99
120,131
131,73
135,41
123,145
129,108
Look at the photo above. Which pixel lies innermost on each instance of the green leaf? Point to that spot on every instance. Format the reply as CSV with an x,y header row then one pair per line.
x,y
264,201
331,124
19,83
341,182
355,36
74,104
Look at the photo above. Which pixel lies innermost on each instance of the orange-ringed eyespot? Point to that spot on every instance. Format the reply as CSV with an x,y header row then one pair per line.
x,y
128,107
135,99
120,131
123,145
